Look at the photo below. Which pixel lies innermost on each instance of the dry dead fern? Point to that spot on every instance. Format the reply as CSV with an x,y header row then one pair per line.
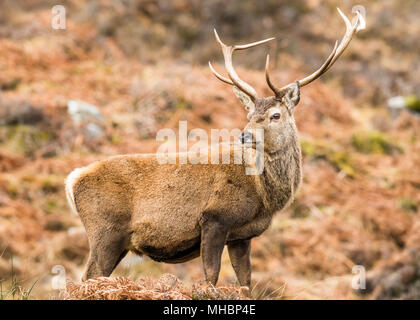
x,y
168,287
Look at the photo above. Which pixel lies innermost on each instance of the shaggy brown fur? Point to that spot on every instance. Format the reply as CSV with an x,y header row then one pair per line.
x,y
175,212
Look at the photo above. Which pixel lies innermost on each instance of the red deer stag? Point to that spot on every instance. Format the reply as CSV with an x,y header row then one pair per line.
x,y
176,212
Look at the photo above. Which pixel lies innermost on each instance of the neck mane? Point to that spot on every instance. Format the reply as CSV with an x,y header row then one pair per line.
x,y
281,176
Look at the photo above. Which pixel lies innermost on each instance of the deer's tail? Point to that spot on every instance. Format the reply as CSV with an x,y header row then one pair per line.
x,y
71,180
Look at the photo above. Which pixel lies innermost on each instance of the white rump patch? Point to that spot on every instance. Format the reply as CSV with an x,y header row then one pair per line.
x,y
71,179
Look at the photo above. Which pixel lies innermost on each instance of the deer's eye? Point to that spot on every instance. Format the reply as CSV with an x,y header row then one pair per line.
x,y
275,116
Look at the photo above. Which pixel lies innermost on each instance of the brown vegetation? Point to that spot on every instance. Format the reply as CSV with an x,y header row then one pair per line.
x,y
143,66
167,287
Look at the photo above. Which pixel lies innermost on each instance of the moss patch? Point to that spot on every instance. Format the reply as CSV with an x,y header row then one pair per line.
x,y
341,160
373,142
408,205
412,102
25,139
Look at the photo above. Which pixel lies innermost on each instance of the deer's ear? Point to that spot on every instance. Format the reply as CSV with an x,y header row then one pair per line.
x,y
245,99
292,96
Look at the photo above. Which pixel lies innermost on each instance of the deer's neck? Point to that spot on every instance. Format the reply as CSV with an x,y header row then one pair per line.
x,y
281,176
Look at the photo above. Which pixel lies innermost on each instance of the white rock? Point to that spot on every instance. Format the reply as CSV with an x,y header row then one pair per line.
x,y
396,105
396,102
94,131
81,111
132,260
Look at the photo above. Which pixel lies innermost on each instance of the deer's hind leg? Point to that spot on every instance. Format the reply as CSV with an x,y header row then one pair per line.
x,y
107,249
102,200
108,239
213,239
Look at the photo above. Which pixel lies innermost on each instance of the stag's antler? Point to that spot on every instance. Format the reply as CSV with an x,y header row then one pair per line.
x,y
358,25
234,78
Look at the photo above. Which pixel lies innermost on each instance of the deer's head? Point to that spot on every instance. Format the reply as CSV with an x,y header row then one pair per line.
x,y
275,114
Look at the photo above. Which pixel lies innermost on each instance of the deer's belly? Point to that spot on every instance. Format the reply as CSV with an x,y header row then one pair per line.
x,y
172,253
167,239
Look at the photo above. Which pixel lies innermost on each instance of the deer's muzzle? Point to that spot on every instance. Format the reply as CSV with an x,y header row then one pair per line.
x,y
246,137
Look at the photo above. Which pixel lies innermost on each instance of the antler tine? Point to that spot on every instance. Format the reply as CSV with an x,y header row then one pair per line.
x,y
241,46
267,78
219,76
360,24
280,92
321,70
350,31
234,78
253,44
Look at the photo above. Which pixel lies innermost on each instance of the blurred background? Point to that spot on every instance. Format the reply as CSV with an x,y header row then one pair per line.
x,y
122,70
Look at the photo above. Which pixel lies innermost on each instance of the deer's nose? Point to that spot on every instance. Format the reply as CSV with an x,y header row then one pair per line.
x,y
245,137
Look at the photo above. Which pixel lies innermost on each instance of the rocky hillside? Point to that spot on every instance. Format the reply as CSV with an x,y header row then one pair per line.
x,y
122,70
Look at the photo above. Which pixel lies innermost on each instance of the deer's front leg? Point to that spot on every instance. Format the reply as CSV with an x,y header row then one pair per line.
x,y
239,254
213,239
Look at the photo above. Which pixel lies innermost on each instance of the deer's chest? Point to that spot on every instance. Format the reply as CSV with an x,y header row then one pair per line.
x,y
252,229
